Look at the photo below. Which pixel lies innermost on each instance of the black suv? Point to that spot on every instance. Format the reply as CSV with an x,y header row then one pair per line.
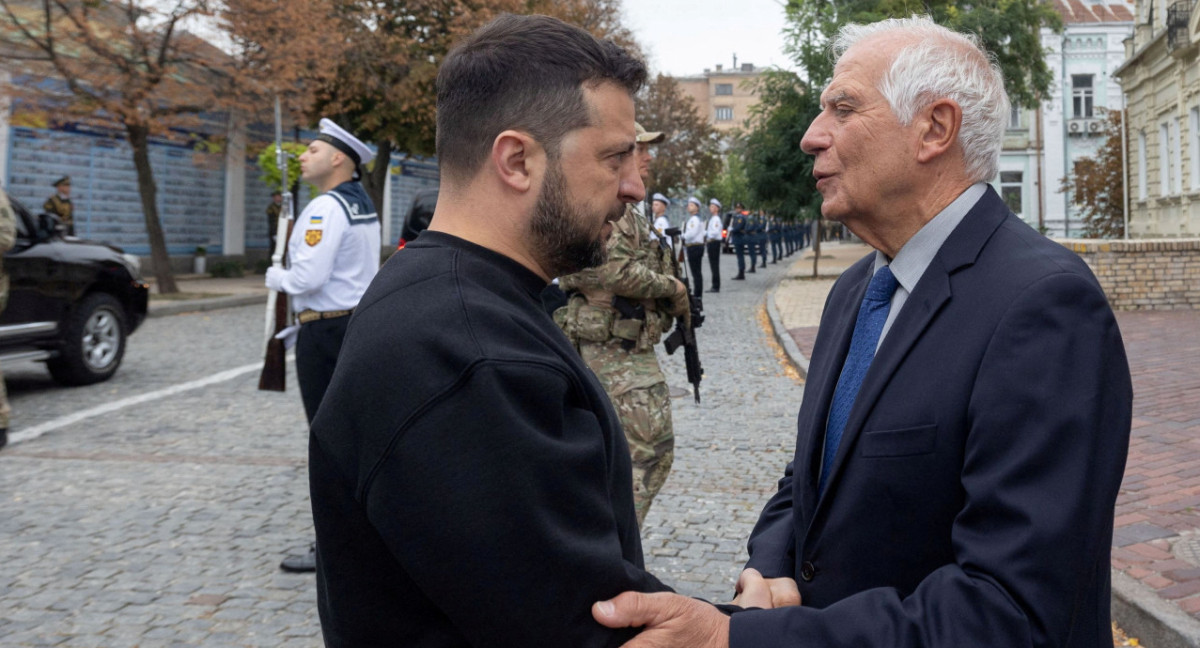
x,y
71,302
418,216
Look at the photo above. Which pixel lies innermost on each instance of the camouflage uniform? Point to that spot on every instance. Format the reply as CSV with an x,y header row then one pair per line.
x,y
621,351
63,208
8,232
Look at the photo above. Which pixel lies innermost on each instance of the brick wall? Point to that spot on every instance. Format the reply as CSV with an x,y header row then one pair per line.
x,y
1144,274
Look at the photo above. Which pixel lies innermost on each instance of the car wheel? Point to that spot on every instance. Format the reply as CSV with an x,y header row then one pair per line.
x,y
93,342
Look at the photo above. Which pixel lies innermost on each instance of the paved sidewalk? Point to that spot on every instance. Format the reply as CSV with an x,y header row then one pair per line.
x,y
202,293
1156,542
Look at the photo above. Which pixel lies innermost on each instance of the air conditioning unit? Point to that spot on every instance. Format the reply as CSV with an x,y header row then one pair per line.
x,y
1073,127
1094,127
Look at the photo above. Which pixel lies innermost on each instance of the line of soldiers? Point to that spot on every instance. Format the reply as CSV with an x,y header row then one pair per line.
x,y
751,232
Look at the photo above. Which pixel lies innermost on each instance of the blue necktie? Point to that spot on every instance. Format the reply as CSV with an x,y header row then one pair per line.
x,y
871,316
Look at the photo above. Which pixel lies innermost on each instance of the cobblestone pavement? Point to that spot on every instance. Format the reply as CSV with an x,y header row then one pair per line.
x,y
731,449
161,523
153,509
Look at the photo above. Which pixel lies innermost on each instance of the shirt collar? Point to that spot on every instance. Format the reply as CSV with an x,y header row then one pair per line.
x,y
916,255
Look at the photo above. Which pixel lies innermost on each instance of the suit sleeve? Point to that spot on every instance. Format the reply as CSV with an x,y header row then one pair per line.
x,y
503,517
1049,418
772,542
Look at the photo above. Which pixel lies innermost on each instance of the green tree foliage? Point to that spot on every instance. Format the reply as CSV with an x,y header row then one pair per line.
x,y
270,169
691,155
730,185
778,173
1098,185
1009,29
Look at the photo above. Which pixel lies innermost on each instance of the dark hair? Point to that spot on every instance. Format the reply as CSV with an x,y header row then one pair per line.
x,y
523,73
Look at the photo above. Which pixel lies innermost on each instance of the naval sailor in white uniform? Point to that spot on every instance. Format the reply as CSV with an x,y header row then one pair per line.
x,y
333,254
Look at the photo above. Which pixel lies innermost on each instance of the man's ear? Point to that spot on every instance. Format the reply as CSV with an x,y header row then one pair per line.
x,y
941,121
518,160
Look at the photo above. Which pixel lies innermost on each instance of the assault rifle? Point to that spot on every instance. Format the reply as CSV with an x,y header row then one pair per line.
x,y
274,371
685,328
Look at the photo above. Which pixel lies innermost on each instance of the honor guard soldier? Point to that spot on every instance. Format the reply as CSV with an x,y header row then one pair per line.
x,y
693,245
739,236
333,254
762,237
60,205
712,241
775,234
754,232
616,313
658,207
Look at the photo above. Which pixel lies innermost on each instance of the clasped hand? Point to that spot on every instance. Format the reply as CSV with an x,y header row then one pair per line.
x,y
672,620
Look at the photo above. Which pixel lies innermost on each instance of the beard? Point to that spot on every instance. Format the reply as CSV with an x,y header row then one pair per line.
x,y
560,230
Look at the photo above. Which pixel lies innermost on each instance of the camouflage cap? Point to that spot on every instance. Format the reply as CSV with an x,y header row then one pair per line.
x,y
644,137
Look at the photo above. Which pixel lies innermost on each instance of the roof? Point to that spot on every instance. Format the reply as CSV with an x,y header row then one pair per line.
x,y
1086,11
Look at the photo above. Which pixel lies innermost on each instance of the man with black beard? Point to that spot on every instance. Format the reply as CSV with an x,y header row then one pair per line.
x,y
470,482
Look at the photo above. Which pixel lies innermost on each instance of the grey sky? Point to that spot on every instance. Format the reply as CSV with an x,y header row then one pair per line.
x,y
682,37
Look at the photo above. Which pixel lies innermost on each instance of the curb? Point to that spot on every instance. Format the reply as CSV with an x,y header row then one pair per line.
x,y
795,356
195,305
1137,609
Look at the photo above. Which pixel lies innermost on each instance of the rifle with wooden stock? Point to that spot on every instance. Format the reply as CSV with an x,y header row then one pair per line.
x,y
274,371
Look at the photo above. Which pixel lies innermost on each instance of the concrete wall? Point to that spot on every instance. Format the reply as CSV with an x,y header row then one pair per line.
x,y
1145,274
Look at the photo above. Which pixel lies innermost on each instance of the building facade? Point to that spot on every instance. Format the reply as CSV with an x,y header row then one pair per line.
x,y
1043,145
724,96
1161,80
214,200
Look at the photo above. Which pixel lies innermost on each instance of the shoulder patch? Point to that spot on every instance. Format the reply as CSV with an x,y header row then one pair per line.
x,y
316,219
312,236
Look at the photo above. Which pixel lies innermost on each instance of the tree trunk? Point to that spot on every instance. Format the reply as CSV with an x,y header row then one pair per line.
x,y
375,180
816,245
139,140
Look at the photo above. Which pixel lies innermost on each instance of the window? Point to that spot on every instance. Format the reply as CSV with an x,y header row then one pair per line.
x,y
1194,145
1176,158
1168,154
1142,175
724,113
1011,189
724,88
1014,117
1081,94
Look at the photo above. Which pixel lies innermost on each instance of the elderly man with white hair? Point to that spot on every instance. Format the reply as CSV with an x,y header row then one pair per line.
x,y
964,428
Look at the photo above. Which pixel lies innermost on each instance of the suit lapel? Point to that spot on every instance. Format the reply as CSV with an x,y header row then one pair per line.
x,y
928,297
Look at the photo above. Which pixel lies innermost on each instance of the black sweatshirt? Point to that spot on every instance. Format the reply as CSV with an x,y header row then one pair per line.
x,y
470,482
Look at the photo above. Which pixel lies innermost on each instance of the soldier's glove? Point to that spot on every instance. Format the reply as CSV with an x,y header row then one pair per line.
x,y
679,304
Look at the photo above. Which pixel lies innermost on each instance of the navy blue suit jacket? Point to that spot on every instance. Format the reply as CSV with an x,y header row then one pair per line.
x,y
971,499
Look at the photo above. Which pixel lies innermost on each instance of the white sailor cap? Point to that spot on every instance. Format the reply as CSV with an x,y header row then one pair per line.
x,y
695,200
716,202
343,141
661,198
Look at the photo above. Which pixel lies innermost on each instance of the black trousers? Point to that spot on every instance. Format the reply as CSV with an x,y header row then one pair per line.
x,y
714,262
317,349
695,260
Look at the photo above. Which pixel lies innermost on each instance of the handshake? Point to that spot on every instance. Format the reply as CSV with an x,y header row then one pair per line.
x,y
674,620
